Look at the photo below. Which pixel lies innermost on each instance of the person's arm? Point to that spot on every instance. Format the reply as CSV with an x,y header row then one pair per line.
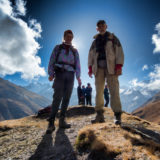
x,y
51,63
119,57
78,68
90,59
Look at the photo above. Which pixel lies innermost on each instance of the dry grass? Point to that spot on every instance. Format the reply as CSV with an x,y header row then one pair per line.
x,y
25,122
101,140
114,140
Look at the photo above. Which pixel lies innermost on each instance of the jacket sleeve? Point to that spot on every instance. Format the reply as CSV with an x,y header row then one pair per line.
x,y
90,55
119,52
52,61
78,66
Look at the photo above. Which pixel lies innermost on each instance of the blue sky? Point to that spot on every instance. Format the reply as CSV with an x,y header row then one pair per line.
x,y
132,21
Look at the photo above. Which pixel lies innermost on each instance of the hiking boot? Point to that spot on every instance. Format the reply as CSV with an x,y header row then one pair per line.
x,y
117,118
99,117
63,124
51,126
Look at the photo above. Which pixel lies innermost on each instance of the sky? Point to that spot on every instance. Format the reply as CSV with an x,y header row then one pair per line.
x,y
29,30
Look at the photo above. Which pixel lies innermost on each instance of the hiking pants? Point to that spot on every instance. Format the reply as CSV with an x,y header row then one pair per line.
x,y
63,86
88,99
107,101
113,85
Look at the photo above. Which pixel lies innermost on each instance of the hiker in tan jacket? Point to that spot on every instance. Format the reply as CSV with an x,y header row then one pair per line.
x,y
105,61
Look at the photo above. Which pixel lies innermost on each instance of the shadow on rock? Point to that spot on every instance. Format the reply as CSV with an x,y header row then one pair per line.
x,y
72,112
43,148
62,148
82,110
101,155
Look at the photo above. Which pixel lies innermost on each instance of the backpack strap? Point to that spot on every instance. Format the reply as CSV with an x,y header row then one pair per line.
x,y
74,54
60,47
58,53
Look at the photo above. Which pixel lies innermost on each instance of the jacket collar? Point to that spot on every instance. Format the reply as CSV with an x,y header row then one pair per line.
x,y
110,35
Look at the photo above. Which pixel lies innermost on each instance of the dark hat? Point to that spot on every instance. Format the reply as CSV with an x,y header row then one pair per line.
x,y
101,22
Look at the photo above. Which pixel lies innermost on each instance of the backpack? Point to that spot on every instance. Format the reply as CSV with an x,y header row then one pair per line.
x,y
58,53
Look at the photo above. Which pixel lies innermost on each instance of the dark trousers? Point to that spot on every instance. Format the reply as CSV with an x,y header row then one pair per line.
x,y
89,100
63,86
81,101
107,101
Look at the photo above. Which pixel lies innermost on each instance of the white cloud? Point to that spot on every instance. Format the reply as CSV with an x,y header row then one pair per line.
x,y
18,42
156,39
145,67
154,82
20,7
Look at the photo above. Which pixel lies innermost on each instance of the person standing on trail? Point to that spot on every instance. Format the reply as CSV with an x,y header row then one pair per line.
x,y
106,95
79,94
83,94
105,60
89,94
63,65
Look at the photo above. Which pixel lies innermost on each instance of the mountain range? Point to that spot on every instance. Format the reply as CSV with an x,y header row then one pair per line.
x,y
131,98
17,102
150,110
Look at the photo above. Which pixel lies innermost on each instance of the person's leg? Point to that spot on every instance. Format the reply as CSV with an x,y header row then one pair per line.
x,y
57,97
83,100
113,85
90,99
78,100
87,99
99,83
69,82
107,101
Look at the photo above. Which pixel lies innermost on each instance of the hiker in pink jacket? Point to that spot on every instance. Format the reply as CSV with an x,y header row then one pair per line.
x,y
64,64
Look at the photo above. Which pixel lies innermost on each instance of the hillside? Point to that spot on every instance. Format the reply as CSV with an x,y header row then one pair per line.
x,y
17,102
150,110
25,138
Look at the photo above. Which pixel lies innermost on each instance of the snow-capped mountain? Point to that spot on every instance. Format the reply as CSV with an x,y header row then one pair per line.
x,y
132,98
43,89
46,90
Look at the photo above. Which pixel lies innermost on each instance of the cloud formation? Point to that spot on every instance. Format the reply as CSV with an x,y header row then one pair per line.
x,y
18,42
152,84
156,39
145,67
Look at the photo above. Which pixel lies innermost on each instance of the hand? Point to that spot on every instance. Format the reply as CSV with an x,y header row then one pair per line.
x,y
90,74
90,71
118,69
79,81
51,78
118,72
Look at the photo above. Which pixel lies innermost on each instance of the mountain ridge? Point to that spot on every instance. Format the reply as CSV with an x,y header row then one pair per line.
x,y
150,110
16,101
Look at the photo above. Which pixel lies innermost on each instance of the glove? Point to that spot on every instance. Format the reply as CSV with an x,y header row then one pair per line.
x,y
90,71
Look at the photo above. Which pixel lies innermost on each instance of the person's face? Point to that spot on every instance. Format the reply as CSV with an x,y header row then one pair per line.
x,y
102,28
68,38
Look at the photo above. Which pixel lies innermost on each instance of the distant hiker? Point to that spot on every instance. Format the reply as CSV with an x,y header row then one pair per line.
x,y
106,95
83,94
105,60
89,94
63,65
80,95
